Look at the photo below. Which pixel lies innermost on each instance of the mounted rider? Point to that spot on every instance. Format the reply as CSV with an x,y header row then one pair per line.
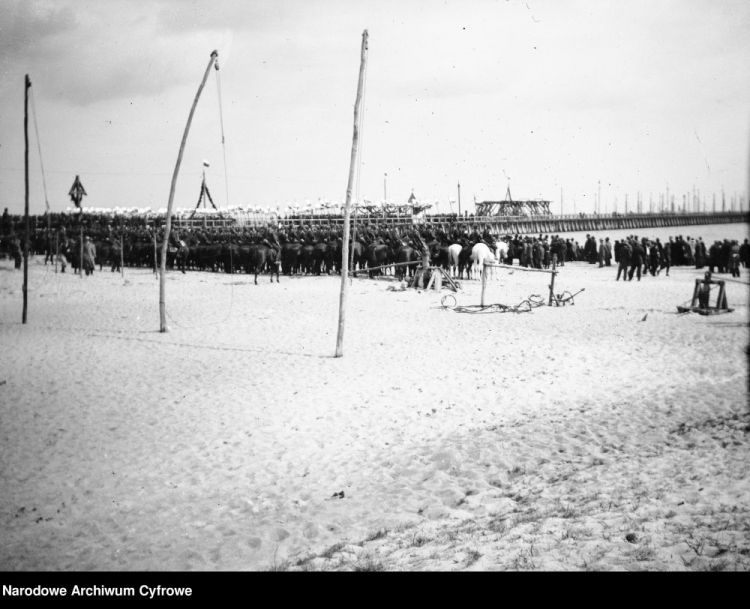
x,y
367,233
174,241
488,239
271,239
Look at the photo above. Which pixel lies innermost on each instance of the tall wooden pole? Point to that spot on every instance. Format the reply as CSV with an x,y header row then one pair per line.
x,y
156,256
459,199
484,282
552,282
347,207
168,223
27,84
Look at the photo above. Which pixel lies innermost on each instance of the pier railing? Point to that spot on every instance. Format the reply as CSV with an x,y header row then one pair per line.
x,y
498,225
534,224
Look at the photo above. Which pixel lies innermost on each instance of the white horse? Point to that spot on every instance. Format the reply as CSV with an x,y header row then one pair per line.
x,y
502,251
454,251
480,254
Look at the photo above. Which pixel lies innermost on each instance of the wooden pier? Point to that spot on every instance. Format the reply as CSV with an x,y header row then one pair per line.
x,y
497,225
534,225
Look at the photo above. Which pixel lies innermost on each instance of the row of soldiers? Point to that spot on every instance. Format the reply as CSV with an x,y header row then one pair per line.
x,y
532,251
101,228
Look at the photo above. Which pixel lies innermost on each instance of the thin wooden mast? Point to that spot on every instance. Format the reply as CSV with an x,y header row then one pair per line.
x,y
347,207
27,84
168,221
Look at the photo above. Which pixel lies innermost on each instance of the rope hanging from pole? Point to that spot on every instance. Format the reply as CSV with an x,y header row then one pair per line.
x,y
221,122
39,147
224,153
44,180
168,220
205,192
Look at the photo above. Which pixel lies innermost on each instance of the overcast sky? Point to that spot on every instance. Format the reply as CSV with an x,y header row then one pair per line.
x,y
547,96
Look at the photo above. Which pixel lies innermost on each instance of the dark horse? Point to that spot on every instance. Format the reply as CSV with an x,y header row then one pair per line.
x,y
406,253
177,254
378,255
260,255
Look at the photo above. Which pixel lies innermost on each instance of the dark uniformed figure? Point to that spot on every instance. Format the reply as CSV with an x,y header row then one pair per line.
x,y
115,252
271,239
561,251
15,250
665,256
654,256
89,256
6,223
699,253
488,239
623,256
734,259
536,254
745,253
636,260
419,244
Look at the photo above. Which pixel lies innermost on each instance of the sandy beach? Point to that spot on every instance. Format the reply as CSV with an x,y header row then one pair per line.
x,y
608,434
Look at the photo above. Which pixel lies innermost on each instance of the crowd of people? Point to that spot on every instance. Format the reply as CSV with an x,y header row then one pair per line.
x,y
634,256
651,256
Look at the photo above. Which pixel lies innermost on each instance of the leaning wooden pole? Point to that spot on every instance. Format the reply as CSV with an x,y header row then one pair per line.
x,y
168,222
347,207
27,84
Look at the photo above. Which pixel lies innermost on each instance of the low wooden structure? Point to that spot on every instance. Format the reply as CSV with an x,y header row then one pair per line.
x,y
438,275
701,302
